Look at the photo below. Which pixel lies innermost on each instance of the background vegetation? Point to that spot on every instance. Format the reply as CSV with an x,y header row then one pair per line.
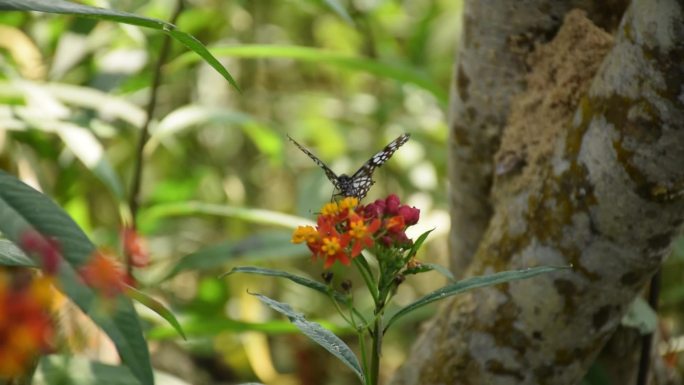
x,y
218,173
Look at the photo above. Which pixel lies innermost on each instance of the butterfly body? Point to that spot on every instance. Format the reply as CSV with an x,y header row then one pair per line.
x,y
358,184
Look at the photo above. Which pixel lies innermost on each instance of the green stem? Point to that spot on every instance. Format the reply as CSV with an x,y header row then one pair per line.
x,y
364,355
375,354
367,277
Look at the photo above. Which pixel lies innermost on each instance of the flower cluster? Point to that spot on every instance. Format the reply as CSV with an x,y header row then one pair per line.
x,y
104,275
26,298
344,229
25,325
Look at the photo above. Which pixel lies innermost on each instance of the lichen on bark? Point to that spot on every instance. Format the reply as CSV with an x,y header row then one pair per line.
x,y
598,184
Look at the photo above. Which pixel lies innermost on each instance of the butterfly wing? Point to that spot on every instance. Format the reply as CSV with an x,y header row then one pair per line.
x,y
328,172
362,180
377,160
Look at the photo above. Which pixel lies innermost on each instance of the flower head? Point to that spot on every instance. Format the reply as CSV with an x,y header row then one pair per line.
x,y
103,275
345,228
361,232
26,328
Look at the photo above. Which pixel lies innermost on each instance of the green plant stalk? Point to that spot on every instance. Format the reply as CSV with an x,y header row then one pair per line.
x,y
367,278
375,354
364,355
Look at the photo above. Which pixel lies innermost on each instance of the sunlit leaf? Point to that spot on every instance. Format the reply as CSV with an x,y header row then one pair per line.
x,y
318,334
263,137
69,8
156,307
472,283
260,216
206,327
24,209
403,74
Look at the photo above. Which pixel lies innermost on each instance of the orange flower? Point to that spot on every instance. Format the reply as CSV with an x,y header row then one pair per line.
x,y
348,203
305,234
332,245
396,224
345,228
330,209
135,247
25,323
361,233
104,275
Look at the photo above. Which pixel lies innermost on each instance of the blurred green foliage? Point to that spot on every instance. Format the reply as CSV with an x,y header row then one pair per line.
x,y
221,185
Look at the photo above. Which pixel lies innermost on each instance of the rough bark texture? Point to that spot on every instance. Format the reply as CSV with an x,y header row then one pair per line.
x,y
603,190
497,37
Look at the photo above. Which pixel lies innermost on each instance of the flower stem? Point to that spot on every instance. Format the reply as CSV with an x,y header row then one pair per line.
x,y
375,354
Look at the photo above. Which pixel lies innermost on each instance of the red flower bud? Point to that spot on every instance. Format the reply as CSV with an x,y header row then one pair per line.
x,y
47,249
410,215
392,204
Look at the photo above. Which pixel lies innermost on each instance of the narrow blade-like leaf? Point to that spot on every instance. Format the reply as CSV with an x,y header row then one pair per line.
x,y
69,8
472,283
318,334
311,284
402,73
156,307
11,255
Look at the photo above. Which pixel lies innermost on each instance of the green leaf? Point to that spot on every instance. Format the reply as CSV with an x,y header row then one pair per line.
x,y
60,369
11,255
318,334
419,243
265,246
24,209
264,138
424,267
69,8
264,217
339,10
472,283
206,327
311,284
641,316
156,307
394,71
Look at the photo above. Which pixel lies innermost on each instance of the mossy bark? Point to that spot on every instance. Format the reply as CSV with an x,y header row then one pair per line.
x,y
603,191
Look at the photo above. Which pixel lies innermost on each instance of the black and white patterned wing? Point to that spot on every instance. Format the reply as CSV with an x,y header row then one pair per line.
x,y
362,180
328,172
380,158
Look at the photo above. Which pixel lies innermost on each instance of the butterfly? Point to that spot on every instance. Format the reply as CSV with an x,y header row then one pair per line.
x,y
358,184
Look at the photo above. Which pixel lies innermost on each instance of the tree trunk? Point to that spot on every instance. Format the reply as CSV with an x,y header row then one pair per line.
x,y
588,172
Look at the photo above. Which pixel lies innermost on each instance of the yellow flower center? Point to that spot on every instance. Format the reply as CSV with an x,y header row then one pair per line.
x,y
330,246
304,234
330,209
357,229
349,203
